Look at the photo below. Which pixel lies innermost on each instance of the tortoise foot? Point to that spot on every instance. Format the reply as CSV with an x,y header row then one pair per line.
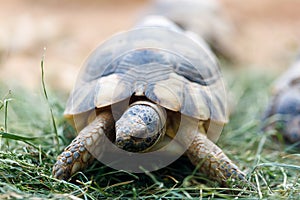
x,y
77,156
213,161
74,158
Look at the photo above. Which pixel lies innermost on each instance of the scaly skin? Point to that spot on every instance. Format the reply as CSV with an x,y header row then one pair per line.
x,y
76,157
213,160
140,127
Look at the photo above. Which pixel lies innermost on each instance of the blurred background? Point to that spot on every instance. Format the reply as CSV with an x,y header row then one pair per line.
x,y
263,35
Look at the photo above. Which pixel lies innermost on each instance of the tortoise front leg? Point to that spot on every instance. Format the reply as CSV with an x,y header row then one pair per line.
x,y
76,156
213,160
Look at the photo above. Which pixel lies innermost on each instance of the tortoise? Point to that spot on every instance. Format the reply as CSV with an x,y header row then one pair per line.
x,y
151,91
284,105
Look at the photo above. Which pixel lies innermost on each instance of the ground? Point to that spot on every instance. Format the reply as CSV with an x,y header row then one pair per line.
x,y
267,35
268,31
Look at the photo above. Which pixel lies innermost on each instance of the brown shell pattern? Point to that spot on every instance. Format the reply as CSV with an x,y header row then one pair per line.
x,y
166,66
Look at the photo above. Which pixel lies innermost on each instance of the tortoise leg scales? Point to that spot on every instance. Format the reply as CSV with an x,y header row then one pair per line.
x,y
213,160
76,157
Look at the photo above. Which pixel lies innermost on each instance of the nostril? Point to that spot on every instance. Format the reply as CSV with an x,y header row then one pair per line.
x,y
118,140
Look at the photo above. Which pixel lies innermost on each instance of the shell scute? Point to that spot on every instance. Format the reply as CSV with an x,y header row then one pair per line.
x,y
166,66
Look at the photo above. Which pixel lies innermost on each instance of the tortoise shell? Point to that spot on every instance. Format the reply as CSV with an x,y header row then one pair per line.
x,y
166,66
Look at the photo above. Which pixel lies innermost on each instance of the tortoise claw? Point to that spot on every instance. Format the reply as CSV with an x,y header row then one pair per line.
x,y
74,158
213,161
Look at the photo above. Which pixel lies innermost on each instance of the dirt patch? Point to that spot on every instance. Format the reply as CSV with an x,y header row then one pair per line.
x,y
68,31
268,31
268,35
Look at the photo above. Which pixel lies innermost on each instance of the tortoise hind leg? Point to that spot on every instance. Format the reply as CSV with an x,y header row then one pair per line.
x,y
213,160
76,156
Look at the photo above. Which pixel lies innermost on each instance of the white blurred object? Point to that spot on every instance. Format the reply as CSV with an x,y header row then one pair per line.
x,y
203,17
289,78
157,21
161,21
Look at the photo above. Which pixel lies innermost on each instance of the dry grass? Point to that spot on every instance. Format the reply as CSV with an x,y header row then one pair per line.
x,y
29,146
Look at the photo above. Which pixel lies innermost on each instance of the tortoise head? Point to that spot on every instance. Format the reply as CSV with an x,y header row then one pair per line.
x,y
140,127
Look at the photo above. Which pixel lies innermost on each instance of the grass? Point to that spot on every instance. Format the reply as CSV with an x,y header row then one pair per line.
x,y
33,132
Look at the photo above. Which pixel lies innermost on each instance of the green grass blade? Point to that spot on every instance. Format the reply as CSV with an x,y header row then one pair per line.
x,y
26,140
17,137
56,138
289,166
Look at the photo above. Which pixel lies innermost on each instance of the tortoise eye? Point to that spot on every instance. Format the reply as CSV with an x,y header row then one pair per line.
x,y
148,140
